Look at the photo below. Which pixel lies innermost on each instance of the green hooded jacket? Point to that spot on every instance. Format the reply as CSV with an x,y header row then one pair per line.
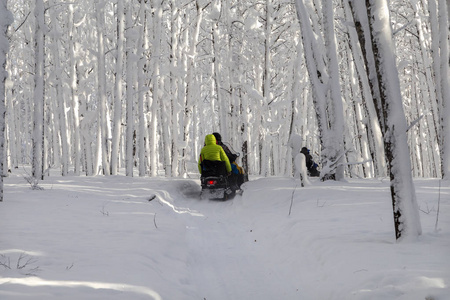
x,y
212,151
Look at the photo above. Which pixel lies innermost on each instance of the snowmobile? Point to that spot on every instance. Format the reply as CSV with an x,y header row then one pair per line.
x,y
215,181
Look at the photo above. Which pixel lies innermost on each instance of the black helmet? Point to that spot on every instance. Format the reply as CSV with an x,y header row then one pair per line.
x,y
218,136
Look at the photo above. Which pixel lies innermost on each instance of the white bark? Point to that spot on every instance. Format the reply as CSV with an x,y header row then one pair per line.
x,y
428,98
75,107
405,208
175,78
5,20
264,139
334,147
38,116
374,126
444,84
102,146
191,88
60,99
158,90
118,95
361,128
325,108
131,67
142,93
11,150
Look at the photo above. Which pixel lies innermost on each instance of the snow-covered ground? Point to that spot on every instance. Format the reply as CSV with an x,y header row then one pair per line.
x,y
152,238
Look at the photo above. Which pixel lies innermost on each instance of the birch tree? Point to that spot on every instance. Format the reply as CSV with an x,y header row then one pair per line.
x,y
118,97
427,90
264,142
73,79
157,88
6,19
142,46
191,89
38,116
440,54
60,96
131,80
375,19
445,86
326,90
375,137
103,136
334,149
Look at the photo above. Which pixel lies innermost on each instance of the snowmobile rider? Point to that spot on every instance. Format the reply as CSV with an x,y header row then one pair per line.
x,y
237,177
213,151
231,156
310,164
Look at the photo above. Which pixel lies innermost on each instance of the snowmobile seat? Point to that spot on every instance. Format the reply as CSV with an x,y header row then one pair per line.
x,y
213,168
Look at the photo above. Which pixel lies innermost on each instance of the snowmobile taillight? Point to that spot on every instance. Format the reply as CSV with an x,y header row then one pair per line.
x,y
212,182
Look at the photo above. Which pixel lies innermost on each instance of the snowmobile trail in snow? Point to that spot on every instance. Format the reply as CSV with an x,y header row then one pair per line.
x,y
232,252
331,240
216,264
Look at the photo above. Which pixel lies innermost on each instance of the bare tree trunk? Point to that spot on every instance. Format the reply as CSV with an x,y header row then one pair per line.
x,y
429,96
174,81
158,90
11,153
374,126
61,105
118,96
74,95
153,134
131,66
142,94
102,98
191,89
445,82
323,74
361,127
376,26
5,21
38,120
221,41
264,138
222,92
335,146
152,126
86,140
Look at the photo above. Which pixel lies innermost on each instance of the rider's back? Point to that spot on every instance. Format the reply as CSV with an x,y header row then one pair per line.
x,y
213,152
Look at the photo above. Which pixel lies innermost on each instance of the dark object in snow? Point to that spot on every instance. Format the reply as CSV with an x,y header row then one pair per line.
x,y
152,197
311,166
219,179
216,183
237,176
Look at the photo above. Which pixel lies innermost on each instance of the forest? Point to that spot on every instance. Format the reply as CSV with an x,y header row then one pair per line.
x,y
93,87
104,108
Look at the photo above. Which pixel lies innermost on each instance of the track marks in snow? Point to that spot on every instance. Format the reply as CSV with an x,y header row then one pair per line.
x,y
223,256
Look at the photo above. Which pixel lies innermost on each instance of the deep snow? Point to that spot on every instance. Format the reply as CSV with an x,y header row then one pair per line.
x,y
101,238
